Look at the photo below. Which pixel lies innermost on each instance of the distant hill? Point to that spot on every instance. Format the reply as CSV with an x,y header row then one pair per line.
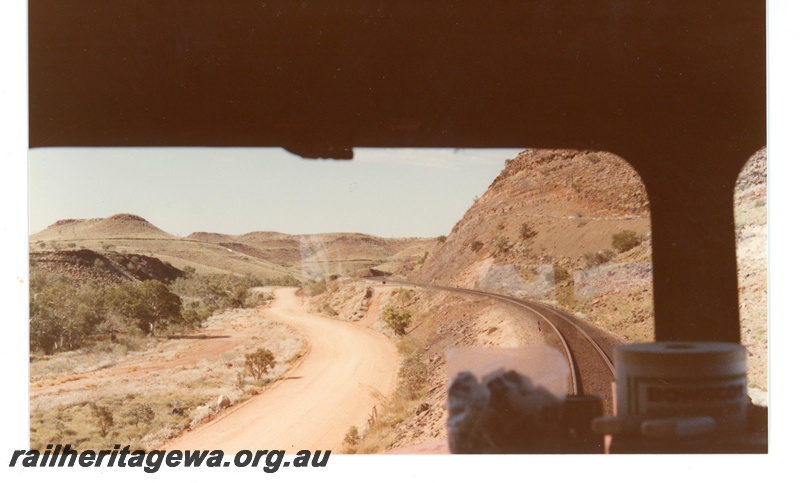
x,y
326,253
123,225
263,254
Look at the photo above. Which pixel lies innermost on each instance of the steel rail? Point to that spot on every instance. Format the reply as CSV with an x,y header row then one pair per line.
x,y
594,343
564,343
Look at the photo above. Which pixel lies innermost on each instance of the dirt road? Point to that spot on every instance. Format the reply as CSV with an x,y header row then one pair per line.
x,y
345,371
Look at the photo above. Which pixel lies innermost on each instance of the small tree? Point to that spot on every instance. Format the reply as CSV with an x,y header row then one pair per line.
x,y
476,245
397,318
441,238
259,362
240,380
151,304
62,317
141,413
625,240
105,418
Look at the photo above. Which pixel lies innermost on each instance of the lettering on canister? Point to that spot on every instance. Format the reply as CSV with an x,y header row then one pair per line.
x,y
678,395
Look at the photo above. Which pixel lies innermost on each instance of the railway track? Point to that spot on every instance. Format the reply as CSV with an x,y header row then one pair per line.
x,y
586,349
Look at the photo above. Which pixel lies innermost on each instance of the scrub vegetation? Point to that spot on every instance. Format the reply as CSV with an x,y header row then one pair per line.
x,y
65,316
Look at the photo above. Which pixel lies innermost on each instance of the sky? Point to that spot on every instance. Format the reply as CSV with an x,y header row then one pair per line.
x,y
384,192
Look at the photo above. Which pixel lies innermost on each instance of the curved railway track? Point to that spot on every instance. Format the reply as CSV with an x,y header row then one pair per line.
x,y
586,348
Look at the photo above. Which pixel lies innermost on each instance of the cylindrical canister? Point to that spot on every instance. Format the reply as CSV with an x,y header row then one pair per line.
x,y
683,379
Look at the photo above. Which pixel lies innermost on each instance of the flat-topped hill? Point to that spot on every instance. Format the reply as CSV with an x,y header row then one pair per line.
x,y
123,225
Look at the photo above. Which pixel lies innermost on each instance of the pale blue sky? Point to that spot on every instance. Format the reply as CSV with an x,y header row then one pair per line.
x,y
392,193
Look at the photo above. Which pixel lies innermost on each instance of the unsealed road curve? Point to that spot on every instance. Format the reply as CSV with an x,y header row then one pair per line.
x,y
312,407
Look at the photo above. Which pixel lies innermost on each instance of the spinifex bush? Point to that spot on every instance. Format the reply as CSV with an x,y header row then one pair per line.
x,y
625,240
598,258
526,231
501,245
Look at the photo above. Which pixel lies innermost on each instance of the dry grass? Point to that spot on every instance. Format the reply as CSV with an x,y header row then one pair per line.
x,y
414,385
628,314
69,365
180,397
414,375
